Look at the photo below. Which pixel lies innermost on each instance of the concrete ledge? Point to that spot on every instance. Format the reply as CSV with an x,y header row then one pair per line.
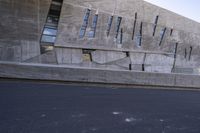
x,y
60,73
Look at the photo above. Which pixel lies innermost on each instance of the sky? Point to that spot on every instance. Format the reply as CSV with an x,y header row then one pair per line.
x,y
187,8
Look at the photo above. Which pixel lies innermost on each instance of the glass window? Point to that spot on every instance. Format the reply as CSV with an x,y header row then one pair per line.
x,y
138,40
48,39
155,25
52,19
49,31
94,25
82,33
91,34
119,19
87,14
85,23
109,25
162,34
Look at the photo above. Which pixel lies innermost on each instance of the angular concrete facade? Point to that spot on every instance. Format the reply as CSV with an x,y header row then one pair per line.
x,y
21,26
158,40
130,35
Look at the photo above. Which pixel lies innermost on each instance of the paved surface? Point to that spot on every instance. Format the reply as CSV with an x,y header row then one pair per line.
x,y
47,108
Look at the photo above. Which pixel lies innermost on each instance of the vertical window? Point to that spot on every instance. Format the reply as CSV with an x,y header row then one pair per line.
x,y
155,25
110,20
171,32
134,25
139,36
127,54
143,64
190,54
48,39
136,16
49,33
85,23
185,55
93,28
162,34
175,50
119,19
130,67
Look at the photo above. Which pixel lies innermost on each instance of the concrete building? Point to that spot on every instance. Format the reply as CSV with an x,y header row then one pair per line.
x,y
121,35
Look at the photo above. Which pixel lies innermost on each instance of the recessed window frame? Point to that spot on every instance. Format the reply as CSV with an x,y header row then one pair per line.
x,y
155,25
92,32
139,36
110,21
84,24
51,38
52,31
162,34
118,24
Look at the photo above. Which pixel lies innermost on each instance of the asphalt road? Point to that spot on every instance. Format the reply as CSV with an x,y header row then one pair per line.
x,y
50,108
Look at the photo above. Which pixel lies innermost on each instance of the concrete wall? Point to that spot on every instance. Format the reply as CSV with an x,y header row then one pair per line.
x,y
56,73
146,12
21,25
23,21
159,57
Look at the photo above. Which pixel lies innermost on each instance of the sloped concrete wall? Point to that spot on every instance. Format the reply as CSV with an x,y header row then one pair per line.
x,y
21,25
23,21
146,12
156,53
77,74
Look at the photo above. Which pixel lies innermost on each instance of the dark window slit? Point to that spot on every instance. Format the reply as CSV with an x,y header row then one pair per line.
x,y
143,64
133,34
143,69
155,25
110,20
90,54
130,67
190,54
175,54
136,16
162,35
171,32
185,55
175,50
134,25
127,54
119,19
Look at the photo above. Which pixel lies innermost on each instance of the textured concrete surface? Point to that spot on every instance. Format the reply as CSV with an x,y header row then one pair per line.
x,y
140,43
64,73
176,32
21,27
